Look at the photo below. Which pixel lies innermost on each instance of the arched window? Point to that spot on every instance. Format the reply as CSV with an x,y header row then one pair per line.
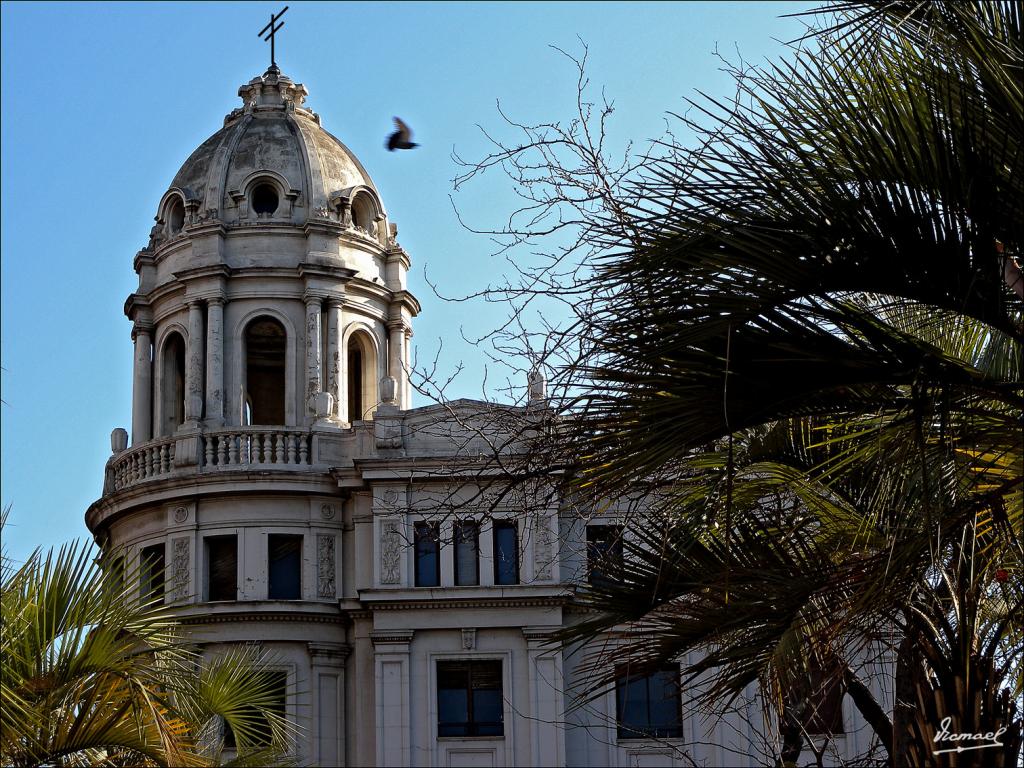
x,y
175,215
265,347
355,381
264,200
363,214
172,384
362,377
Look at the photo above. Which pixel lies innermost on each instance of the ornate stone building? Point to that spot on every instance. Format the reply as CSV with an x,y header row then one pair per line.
x,y
282,489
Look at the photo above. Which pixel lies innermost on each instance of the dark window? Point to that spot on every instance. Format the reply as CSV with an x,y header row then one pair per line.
x,y
173,395
277,687
264,200
222,567
467,550
824,711
506,553
176,215
114,583
428,555
284,564
151,574
604,553
265,352
648,706
355,382
469,700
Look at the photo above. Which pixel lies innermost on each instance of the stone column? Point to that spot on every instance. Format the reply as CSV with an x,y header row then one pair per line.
x,y
335,355
313,343
392,677
547,708
194,365
215,361
396,360
142,385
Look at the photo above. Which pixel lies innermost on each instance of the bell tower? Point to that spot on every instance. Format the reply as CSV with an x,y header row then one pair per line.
x,y
271,327
272,291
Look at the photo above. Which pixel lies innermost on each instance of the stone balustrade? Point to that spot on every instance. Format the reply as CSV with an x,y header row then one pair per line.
x,y
219,449
149,460
244,446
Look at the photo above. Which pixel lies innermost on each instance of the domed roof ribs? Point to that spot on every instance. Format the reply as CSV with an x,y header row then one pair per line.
x,y
216,179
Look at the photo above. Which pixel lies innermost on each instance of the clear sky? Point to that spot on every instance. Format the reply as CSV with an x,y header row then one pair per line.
x,y
102,102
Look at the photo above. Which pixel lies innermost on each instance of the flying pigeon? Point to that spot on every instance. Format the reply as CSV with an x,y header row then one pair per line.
x,y
400,138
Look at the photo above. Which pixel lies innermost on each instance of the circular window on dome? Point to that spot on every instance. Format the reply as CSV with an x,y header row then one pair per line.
x,y
264,200
176,216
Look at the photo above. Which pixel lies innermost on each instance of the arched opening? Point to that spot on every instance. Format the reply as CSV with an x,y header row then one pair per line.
x,y
172,384
363,214
176,215
362,376
265,349
355,382
264,200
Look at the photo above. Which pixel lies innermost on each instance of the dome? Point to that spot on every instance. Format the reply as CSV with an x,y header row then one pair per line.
x,y
271,140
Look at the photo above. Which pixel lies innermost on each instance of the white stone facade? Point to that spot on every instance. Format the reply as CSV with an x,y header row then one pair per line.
x,y
271,409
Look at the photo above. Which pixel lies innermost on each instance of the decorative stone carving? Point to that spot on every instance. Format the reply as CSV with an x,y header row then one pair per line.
x,y
181,566
543,548
469,639
390,552
390,496
327,511
325,586
180,515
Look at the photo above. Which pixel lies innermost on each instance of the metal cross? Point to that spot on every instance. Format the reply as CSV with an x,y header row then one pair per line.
x,y
269,35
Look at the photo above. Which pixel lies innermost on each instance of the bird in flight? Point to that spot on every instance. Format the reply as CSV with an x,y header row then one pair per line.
x,y
400,139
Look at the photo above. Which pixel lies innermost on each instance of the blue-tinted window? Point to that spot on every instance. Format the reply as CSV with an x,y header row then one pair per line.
x,y
428,555
506,553
467,552
284,563
469,698
649,705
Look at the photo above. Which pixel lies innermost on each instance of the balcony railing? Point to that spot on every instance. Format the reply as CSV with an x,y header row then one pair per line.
x,y
215,450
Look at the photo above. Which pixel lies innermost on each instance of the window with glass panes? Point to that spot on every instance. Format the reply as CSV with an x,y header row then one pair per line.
x,y
604,553
469,698
222,567
284,566
648,706
151,573
506,552
427,548
467,553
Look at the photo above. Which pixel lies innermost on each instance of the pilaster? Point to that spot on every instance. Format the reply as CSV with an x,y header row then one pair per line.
x,y
547,706
391,667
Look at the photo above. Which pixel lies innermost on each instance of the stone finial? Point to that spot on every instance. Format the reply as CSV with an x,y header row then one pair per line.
x,y
537,385
322,404
118,440
389,390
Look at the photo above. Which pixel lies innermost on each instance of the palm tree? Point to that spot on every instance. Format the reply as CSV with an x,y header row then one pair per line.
x,y
91,675
817,306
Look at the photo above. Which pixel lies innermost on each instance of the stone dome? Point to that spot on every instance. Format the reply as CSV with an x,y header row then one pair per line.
x,y
272,139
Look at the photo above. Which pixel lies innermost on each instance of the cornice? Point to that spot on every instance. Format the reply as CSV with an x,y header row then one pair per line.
x,y
499,603
263,617
189,484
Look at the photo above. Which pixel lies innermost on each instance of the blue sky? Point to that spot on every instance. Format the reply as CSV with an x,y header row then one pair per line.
x,y
102,102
